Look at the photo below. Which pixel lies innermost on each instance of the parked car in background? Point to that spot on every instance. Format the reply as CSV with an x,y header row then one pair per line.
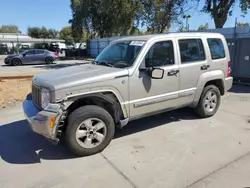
x,y
80,46
34,56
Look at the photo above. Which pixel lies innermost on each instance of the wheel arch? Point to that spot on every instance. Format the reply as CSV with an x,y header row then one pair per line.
x,y
107,100
209,78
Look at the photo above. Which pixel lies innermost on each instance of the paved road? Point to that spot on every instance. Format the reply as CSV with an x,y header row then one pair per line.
x,y
12,70
172,150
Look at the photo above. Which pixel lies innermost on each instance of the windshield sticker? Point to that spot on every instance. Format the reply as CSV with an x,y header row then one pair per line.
x,y
137,43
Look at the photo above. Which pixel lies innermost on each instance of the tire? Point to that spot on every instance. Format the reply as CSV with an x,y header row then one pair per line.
x,y
81,116
49,60
16,62
207,107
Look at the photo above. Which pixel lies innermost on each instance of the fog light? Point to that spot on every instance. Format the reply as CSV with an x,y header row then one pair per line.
x,y
52,122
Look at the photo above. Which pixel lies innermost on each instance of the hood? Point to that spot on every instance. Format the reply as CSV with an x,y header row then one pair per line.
x,y
12,55
77,75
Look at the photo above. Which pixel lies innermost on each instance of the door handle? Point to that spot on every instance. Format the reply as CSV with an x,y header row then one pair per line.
x,y
173,72
205,67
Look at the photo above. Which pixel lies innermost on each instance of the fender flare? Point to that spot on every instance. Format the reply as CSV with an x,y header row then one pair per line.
x,y
205,78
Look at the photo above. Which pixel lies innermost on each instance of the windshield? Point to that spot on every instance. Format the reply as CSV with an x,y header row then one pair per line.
x,y
120,54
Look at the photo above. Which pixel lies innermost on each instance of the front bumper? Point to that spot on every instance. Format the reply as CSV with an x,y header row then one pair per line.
x,y
228,83
40,120
7,61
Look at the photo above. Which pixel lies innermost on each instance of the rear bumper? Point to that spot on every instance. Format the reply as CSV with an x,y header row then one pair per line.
x,y
39,120
228,83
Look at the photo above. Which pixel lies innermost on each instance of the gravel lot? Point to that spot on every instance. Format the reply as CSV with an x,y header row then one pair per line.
x,y
171,150
26,69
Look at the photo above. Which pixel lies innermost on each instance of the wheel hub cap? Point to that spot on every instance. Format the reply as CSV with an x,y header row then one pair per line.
x,y
91,133
210,101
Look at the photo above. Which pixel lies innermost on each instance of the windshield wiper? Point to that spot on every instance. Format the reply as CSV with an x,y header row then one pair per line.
x,y
105,63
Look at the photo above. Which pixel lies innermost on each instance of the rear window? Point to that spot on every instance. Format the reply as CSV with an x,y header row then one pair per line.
x,y
216,48
39,52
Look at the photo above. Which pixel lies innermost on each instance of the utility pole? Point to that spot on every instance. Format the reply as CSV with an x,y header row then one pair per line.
x,y
187,17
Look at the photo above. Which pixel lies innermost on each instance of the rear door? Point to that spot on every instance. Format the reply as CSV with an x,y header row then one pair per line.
x,y
29,57
40,56
193,63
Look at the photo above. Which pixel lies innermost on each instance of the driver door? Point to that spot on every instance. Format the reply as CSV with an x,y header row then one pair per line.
x,y
149,95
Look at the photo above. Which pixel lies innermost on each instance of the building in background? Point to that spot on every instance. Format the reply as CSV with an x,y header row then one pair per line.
x,y
14,42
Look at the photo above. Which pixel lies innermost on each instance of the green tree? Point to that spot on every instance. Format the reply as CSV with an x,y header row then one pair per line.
x,y
203,27
9,29
34,32
159,14
66,34
43,32
241,24
104,18
220,10
78,15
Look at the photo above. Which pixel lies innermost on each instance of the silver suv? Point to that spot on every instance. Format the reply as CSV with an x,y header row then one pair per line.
x,y
131,78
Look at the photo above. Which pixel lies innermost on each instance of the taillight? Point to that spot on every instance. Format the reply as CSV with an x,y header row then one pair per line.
x,y
56,53
228,69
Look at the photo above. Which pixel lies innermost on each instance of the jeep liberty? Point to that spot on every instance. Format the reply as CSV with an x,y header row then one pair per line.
x,y
131,78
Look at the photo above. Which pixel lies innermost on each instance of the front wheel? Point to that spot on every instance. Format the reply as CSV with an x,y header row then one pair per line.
x,y
16,62
209,102
90,129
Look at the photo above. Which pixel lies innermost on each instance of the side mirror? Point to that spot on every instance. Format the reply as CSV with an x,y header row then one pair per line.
x,y
24,54
156,73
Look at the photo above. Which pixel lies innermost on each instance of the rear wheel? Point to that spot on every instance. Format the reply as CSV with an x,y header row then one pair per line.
x,y
90,129
209,101
49,60
16,62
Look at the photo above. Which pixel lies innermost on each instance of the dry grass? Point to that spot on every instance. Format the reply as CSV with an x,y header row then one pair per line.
x,y
13,91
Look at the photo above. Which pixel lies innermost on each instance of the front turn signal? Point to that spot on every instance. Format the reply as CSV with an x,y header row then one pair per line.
x,y
52,122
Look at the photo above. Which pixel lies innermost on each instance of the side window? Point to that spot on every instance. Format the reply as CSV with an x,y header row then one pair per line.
x,y
191,50
216,48
160,54
31,52
39,52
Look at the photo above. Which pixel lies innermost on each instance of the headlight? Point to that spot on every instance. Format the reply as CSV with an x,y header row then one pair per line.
x,y
45,97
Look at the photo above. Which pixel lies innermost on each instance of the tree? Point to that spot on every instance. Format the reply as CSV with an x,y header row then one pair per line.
x,y
66,34
9,29
43,32
104,18
159,14
240,24
219,10
203,27
76,22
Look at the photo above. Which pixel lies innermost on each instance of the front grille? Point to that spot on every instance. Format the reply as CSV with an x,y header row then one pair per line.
x,y
36,95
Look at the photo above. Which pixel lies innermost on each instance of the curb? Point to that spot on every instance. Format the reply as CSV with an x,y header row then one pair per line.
x,y
16,77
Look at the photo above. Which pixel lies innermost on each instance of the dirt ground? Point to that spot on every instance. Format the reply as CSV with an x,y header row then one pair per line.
x,y
13,91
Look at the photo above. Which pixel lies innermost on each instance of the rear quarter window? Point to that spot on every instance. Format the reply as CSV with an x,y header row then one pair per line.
x,y
216,48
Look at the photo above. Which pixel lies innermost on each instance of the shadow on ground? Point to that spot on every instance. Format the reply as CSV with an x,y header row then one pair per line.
x,y
19,145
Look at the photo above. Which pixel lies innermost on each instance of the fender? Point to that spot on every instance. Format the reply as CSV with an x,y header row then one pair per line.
x,y
67,101
204,78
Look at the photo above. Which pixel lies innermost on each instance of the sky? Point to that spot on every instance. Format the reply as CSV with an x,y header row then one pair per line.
x,y
56,14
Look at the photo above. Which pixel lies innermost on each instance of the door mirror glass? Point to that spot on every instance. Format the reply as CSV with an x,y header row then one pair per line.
x,y
156,73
